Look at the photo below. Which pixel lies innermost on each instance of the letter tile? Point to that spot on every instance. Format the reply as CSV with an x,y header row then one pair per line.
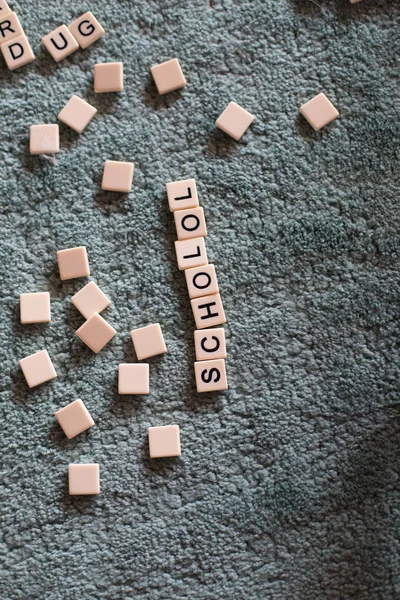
x,y
77,114
201,281
210,343
35,308
90,300
319,111
210,375
148,341
83,480
133,378
182,194
73,262
86,30
191,253
164,441
4,9
17,52
168,76
208,311
74,418
190,223
37,368
235,121
96,332
60,43
44,139
10,27
108,77
117,176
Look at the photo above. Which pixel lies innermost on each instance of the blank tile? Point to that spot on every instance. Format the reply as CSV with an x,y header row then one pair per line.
x,y
210,375
210,343
74,418
4,9
234,120
208,311
319,111
60,43
96,332
117,176
108,77
164,441
90,300
73,262
190,223
37,368
191,253
201,281
148,341
35,308
83,480
182,194
86,30
17,52
168,76
133,378
77,114
44,139
10,27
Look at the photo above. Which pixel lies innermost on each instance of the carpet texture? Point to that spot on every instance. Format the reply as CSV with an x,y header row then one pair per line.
x,y
287,488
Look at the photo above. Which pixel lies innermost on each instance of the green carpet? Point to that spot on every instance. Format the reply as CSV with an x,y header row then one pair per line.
x,y
287,488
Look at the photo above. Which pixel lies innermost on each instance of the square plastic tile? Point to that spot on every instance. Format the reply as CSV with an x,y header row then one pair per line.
x,y
210,343
190,223
133,378
191,253
74,418
90,300
60,43
182,194
148,341
17,52
83,480
319,111
73,262
235,121
208,311
96,332
210,375
35,308
77,114
44,139
168,76
201,281
86,30
117,176
37,368
109,77
164,441
10,27
4,9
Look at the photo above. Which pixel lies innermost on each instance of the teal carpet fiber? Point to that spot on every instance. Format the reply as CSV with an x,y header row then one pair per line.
x,y
288,483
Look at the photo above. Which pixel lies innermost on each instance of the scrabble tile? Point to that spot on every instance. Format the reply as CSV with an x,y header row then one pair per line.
x,y
74,418
60,43
73,262
117,176
191,253
148,341
133,378
44,139
354,1
182,194
90,300
4,9
210,343
37,368
190,223
17,52
208,311
96,332
319,111
10,27
108,77
168,76
210,375
86,30
234,121
77,114
201,281
35,308
164,441
83,480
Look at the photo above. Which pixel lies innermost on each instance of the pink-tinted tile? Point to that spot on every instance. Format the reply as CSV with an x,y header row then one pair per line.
x,y
37,368
96,332
60,43
35,308
77,114
148,341
108,77
90,300
10,27
182,194
73,262
86,30
117,176
191,253
234,120
201,281
4,9
208,311
83,480
74,418
210,375
133,378
319,111
164,441
210,343
17,52
168,76
44,139
190,223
